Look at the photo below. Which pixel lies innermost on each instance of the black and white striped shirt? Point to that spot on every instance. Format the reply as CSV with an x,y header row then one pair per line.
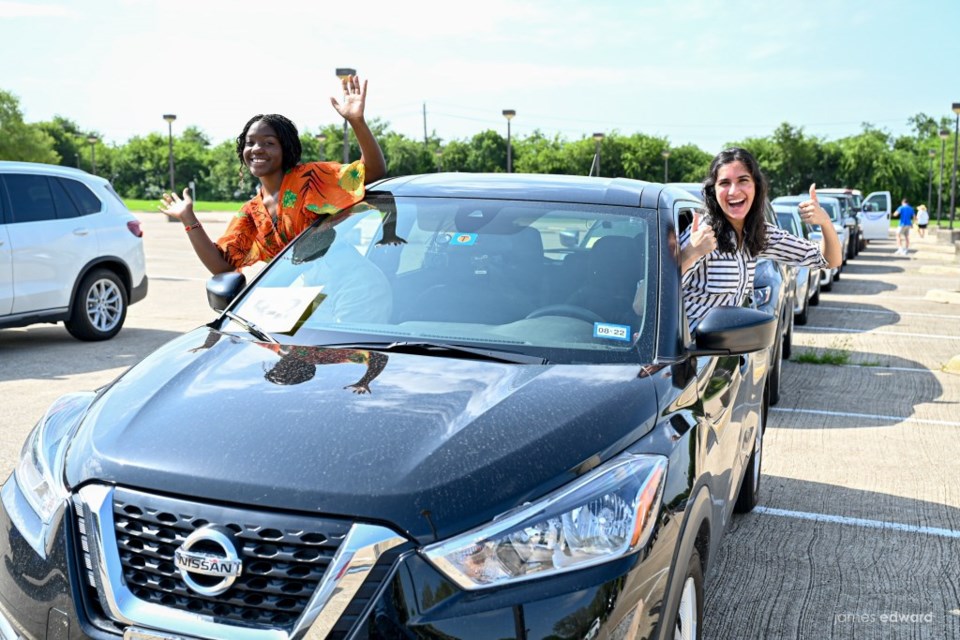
x,y
724,279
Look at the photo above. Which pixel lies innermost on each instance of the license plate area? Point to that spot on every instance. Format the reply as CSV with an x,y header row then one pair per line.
x,y
138,633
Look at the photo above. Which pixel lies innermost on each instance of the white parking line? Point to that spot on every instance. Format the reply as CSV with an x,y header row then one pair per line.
x,y
858,522
178,279
869,416
890,313
876,332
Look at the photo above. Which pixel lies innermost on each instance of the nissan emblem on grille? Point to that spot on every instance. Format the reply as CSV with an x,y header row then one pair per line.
x,y
208,561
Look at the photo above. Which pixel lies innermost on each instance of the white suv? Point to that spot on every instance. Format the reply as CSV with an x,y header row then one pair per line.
x,y
70,251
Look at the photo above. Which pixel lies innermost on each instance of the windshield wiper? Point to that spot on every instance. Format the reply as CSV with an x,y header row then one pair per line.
x,y
444,350
251,328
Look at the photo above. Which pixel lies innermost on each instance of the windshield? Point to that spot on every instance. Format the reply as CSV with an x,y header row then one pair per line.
x,y
566,283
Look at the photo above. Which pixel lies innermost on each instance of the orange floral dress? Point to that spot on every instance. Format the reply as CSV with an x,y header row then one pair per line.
x,y
308,191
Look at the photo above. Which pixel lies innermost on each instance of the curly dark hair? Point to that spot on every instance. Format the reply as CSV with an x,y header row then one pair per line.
x,y
286,132
290,370
754,234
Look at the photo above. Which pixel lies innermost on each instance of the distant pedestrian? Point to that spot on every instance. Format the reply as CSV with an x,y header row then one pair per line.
x,y
923,219
905,212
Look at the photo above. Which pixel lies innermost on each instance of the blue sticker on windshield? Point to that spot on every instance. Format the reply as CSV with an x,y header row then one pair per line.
x,y
611,331
463,239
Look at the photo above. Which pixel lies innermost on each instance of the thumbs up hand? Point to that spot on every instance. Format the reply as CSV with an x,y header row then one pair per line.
x,y
812,212
703,240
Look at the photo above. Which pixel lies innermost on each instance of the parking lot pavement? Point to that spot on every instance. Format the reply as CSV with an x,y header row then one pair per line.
x,y
858,530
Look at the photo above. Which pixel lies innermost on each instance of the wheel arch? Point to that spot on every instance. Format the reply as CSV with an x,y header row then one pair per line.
x,y
111,263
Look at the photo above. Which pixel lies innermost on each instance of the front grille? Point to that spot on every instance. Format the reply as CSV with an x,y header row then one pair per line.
x,y
284,557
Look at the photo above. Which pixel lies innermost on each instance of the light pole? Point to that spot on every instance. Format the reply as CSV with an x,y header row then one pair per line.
x,y
944,134
92,139
597,139
169,117
953,174
508,114
321,143
345,72
932,154
666,164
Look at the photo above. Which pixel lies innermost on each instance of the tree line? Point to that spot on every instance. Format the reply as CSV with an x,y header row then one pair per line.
x,y
871,160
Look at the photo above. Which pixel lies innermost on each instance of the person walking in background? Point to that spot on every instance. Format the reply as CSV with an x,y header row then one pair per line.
x,y
923,219
719,253
905,212
291,195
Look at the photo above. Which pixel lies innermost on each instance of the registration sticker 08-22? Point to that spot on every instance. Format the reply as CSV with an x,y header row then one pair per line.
x,y
611,331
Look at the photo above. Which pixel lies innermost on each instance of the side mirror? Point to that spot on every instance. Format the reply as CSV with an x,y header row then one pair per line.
x,y
734,331
223,288
570,239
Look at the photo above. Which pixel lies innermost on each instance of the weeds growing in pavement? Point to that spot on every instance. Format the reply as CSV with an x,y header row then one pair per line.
x,y
836,354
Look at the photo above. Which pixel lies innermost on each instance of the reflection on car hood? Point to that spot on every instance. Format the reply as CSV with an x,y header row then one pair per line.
x,y
210,416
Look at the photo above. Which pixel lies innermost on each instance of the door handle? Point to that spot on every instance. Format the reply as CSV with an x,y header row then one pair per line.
x,y
80,232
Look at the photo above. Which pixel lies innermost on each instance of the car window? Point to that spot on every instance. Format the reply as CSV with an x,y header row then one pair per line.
x,y
85,199
571,283
65,205
788,222
30,198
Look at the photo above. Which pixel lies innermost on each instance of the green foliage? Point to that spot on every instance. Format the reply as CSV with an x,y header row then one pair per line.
x,y
871,160
22,141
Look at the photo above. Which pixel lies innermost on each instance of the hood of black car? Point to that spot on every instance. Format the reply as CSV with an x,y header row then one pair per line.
x,y
430,445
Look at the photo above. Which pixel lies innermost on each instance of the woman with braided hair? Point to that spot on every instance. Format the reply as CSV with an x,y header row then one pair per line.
x,y
292,194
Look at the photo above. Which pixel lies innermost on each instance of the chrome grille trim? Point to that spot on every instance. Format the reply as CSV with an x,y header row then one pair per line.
x,y
350,566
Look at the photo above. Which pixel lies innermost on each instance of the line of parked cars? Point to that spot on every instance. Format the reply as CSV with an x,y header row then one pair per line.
x,y
524,439
469,407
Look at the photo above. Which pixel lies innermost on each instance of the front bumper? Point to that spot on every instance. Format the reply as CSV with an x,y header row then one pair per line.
x,y
44,594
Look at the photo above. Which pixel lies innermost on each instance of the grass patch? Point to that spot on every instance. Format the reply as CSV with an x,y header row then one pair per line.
x,y
199,206
836,354
827,356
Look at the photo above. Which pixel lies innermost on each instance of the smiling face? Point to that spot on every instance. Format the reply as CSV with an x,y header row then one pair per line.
x,y
262,152
735,189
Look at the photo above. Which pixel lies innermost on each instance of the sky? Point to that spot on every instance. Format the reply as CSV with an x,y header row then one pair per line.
x,y
703,72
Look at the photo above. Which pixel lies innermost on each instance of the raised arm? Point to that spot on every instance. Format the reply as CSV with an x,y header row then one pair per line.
x,y
354,102
182,209
703,240
813,213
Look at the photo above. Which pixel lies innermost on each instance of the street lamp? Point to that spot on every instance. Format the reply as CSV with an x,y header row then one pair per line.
x,y
345,72
508,114
666,164
321,143
953,174
92,139
932,154
597,139
169,117
944,134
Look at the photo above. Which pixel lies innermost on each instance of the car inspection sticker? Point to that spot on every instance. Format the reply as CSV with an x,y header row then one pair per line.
x,y
463,239
611,331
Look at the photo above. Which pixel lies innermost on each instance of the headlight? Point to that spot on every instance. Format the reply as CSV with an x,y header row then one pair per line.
x,y
607,514
762,295
40,470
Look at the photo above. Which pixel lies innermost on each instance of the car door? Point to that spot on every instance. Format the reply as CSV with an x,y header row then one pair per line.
x,y
875,215
50,242
6,263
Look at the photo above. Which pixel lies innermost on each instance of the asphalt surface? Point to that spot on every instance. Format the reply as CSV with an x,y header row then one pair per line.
x,y
857,534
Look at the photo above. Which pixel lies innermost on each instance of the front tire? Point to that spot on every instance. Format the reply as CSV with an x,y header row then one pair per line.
x,y
688,617
99,308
